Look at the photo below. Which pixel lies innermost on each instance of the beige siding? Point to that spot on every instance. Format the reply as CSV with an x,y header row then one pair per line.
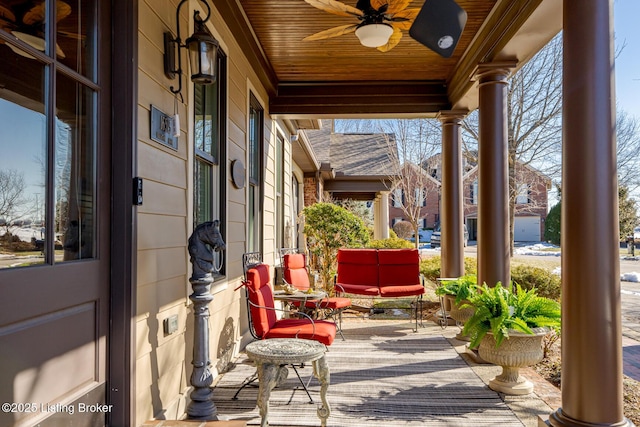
x,y
163,363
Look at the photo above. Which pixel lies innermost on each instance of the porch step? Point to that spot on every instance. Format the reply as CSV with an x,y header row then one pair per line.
x,y
193,423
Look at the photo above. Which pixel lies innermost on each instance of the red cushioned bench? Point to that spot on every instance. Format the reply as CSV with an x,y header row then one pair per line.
x,y
387,273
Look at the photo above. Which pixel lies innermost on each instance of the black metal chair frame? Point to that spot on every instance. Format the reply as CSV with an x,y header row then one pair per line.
x,y
330,313
250,260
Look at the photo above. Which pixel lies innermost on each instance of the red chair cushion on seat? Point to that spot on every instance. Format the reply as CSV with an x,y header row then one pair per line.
x,y
332,303
261,294
371,289
401,290
295,271
324,332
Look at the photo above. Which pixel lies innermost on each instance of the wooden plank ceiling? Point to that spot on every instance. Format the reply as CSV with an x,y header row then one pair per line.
x,y
338,77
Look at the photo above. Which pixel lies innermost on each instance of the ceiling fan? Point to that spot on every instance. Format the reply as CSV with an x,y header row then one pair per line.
x,y
30,29
437,25
380,21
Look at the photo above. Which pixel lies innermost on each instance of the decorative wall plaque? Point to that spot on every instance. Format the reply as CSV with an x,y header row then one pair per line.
x,y
237,174
163,128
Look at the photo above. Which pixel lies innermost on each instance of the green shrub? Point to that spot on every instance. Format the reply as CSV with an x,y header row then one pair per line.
x,y
328,228
430,267
547,284
390,243
552,225
462,288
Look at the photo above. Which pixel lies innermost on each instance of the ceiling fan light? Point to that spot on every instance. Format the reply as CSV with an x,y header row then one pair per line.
x,y
374,35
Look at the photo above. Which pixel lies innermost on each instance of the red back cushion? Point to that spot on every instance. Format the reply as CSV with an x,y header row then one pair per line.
x,y
295,271
399,267
261,294
358,266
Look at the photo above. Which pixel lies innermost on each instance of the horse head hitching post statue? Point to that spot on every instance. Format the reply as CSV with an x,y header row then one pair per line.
x,y
204,240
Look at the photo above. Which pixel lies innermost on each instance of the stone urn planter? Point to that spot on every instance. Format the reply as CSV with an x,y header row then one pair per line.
x,y
460,315
518,351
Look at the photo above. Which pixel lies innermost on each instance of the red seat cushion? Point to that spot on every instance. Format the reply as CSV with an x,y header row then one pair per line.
x,y
371,290
324,332
295,271
401,290
332,303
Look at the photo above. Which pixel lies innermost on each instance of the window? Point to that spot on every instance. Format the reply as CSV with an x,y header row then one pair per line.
x,y
209,190
474,192
256,122
523,194
396,220
397,198
49,122
295,209
279,191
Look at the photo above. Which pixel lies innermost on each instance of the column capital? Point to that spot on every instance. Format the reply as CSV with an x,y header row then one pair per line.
x,y
451,116
494,71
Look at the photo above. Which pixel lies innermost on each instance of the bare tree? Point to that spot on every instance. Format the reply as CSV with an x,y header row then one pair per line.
x,y
414,145
14,205
628,140
534,128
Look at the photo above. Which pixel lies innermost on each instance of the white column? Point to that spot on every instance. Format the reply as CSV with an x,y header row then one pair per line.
x,y
377,234
384,214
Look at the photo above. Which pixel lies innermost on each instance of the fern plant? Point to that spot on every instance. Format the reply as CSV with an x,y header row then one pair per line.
x,y
463,288
499,310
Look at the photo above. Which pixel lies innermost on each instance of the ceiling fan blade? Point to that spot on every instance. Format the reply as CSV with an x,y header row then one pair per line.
x,y
439,25
71,35
35,15
331,32
393,40
404,19
335,7
62,10
38,13
395,6
7,15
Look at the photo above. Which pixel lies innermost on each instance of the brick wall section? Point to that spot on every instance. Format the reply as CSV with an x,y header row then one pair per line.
x,y
431,211
310,193
538,202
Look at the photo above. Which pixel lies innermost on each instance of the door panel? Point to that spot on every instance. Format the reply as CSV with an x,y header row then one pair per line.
x,y
55,274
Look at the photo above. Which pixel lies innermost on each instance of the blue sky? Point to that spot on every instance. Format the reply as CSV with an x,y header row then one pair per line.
x,y
627,33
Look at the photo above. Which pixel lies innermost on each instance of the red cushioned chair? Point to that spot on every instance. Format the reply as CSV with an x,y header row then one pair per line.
x,y
399,276
263,322
296,274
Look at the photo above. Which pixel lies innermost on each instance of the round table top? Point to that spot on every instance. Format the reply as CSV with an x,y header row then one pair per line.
x,y
299,295
285,350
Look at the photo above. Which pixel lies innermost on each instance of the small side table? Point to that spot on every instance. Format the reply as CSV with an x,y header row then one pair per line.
x,y
271,356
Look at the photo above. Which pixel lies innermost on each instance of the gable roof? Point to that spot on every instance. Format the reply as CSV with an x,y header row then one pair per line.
x,y
354,165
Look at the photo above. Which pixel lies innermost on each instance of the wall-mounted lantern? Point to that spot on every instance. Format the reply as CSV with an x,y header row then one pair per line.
x,y
203,49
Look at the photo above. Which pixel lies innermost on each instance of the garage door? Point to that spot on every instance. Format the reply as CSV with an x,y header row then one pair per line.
x,y
527,229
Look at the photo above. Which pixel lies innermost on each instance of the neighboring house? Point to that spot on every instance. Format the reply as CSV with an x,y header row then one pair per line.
x,y
531,204
356,166
418,192
530,208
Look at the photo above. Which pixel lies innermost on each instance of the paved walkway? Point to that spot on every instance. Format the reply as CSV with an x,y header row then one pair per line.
x,y
630,307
